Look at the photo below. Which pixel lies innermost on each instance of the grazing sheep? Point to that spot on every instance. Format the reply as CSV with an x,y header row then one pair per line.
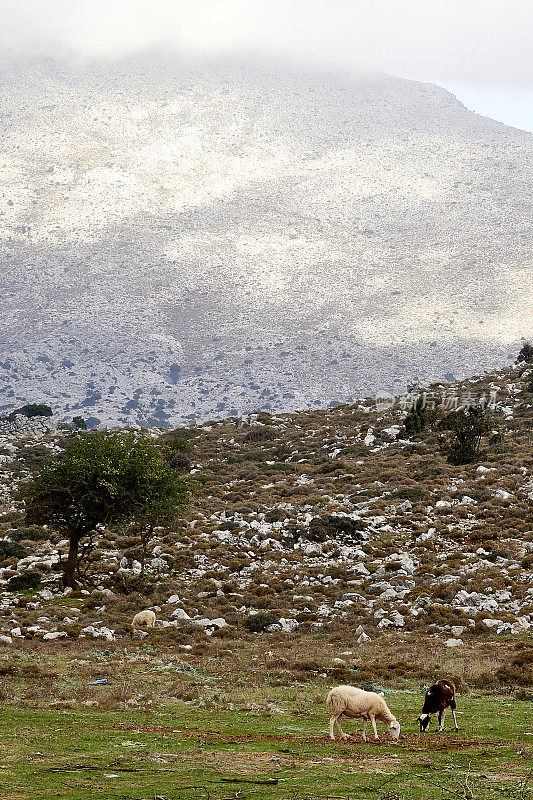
x,y
349,701
144,619
438,698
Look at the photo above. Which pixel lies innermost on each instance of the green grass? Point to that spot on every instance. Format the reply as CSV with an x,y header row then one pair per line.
x,y
182,753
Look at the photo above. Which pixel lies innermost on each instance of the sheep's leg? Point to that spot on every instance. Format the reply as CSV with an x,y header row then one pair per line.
x,y
442,717
331,724
344,736
364,729
455,719
373,721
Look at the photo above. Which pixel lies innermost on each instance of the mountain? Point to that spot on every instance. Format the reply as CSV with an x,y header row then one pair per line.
x,y
186,241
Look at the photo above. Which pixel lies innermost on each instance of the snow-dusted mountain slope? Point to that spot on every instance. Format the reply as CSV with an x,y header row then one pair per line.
x,y
180,242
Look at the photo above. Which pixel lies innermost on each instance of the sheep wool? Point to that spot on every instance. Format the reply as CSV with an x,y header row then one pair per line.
x,y
144,619
352,702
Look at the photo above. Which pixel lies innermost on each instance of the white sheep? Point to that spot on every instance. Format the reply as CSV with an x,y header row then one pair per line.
x,y
144,618
349,701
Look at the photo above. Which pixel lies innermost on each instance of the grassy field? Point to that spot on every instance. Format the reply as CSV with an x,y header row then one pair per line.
x,y
180,752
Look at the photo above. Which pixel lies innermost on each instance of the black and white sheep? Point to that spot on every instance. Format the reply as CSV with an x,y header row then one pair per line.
x,y
351,702
438,698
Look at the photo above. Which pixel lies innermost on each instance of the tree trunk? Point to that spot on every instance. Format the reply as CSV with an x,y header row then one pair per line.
x,y
72,560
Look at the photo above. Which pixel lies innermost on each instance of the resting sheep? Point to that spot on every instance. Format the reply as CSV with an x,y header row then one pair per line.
x,y
144,619
438,698
351,702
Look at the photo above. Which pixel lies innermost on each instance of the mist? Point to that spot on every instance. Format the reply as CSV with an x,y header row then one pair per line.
x,y
482,42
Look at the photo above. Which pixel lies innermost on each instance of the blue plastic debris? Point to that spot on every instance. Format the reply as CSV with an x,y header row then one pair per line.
x,y
97,683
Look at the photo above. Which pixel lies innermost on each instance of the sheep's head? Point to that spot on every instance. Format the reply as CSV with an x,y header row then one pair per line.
x,y
394,730
424,720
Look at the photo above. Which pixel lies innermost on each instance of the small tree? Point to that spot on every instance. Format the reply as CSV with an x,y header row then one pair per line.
x,y
467,428
79,424
526,353
421,417
104,477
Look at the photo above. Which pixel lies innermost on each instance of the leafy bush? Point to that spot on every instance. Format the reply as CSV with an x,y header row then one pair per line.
x,y
276,515
257,623
526,353
331,527
29,580
420,418
33,410
414,494
34,533
79,424
520,669
261,435
11,549
467,428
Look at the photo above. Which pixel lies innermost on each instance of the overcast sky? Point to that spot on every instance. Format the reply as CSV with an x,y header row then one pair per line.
x,y
479,49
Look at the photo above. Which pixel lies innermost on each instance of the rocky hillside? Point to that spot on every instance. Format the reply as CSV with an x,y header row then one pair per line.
x,y
188,241
328,520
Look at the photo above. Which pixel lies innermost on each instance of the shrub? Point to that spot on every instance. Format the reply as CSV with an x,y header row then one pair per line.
x,y
29,580
261,435
467,428
78,423
34,533
414,494
526,353
257,623
276,515
520,669
331,527
11,549
33,410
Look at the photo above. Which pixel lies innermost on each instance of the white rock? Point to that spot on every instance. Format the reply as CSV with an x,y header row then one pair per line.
x,y
179,613
503,494
453,642
5,639
173,599
363,638
288,625
98,633
159,565
50,637
369,438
